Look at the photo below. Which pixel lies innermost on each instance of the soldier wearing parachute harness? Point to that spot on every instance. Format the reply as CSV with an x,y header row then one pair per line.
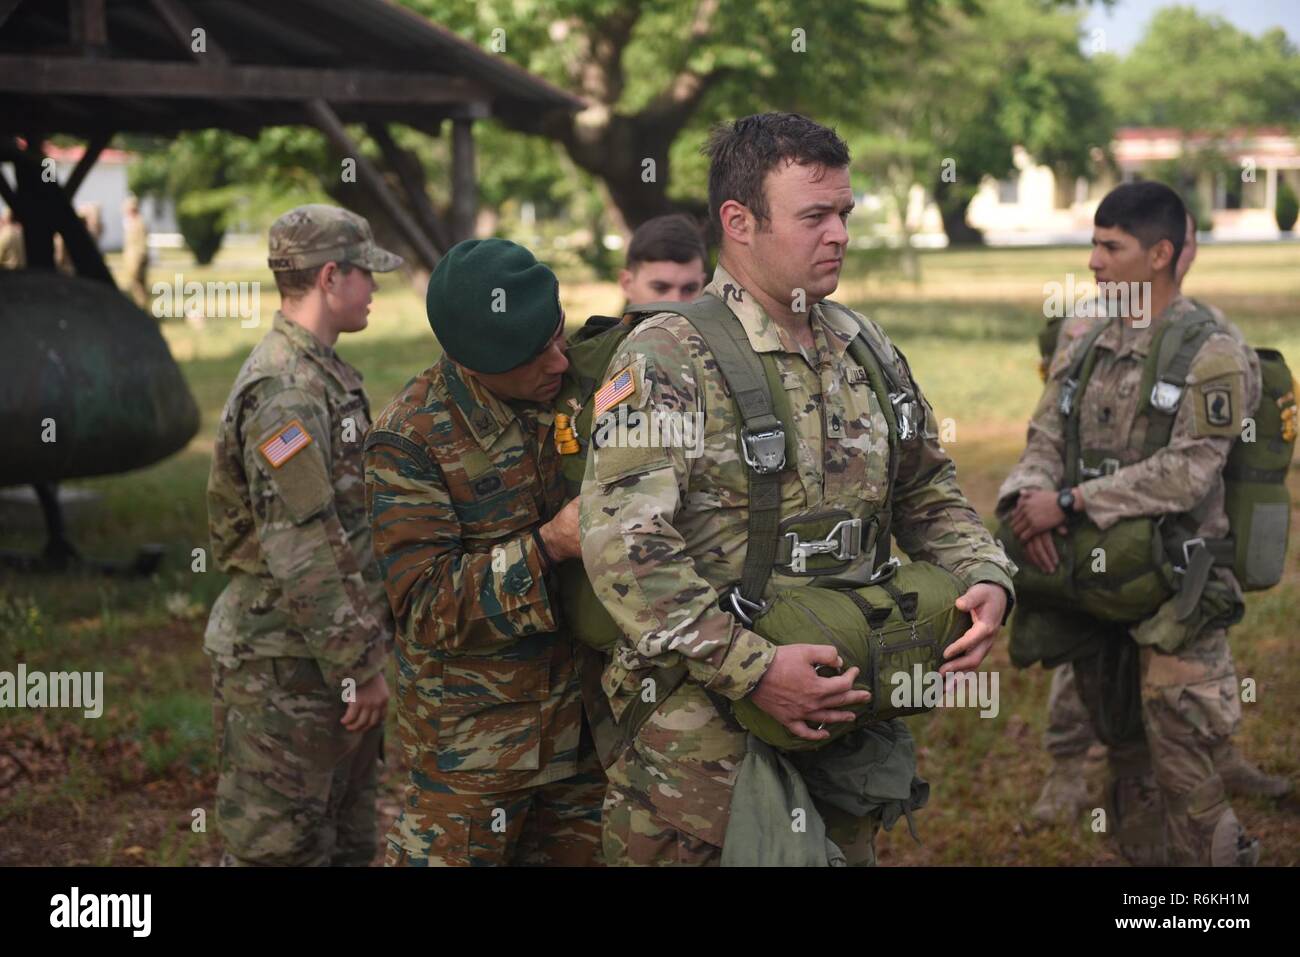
x,y
798,442
1134,550
1069,737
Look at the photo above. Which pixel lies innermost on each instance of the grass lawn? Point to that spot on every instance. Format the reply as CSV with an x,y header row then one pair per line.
x,y
127,788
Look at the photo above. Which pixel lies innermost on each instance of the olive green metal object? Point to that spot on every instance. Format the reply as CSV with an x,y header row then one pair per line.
x,y
87,383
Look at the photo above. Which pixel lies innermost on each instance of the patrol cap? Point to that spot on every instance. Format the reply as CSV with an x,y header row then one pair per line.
x,y
492,305
315,234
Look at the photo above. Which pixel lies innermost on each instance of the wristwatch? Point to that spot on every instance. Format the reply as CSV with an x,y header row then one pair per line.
x,y
1065,499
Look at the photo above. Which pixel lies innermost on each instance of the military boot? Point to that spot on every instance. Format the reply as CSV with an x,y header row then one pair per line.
x,y
1138,817
1064,794
1243,779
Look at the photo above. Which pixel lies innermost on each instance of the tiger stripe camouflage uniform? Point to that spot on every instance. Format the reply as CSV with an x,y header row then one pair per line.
x,y
304,611
664,533
489,702
1178,809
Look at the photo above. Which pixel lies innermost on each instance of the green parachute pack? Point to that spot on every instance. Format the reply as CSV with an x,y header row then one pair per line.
x,y
1150,560
890,620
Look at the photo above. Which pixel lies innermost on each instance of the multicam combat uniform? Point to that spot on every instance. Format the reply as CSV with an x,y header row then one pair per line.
x,y
664,534
304,611
1190,703
490,708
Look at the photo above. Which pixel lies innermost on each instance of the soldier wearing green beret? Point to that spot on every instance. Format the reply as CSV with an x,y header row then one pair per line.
x,y
300,637
468,508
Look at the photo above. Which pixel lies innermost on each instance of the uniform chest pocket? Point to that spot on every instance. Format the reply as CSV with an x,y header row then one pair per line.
x,y
491,714
492,500
351,424
857,443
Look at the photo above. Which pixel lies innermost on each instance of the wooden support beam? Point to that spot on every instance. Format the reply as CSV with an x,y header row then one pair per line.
x,y
149,78
369,177
89,26
411,175
88,159
6,8
464,183
182,22
44,209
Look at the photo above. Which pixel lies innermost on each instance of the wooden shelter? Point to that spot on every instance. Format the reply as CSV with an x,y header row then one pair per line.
x,y
95,68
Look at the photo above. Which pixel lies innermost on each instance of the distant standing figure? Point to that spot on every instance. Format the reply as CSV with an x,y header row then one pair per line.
x,y
12,253
135,251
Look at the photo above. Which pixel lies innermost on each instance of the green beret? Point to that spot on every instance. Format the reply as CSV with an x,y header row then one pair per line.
x,y
492,305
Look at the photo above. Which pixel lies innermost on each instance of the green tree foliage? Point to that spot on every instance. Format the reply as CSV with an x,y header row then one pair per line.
x,y
1012,74
1288,207
1196,71
655,73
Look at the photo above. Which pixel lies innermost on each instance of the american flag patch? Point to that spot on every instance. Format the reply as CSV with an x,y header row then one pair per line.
x,y
614,391
285,444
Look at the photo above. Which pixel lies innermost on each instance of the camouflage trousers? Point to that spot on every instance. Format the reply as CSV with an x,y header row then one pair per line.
x,y
294,788
1069,732
647,787
1168,801
547,825
634,836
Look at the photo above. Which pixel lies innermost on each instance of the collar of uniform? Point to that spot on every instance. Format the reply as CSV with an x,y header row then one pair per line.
x,y
1138,342
762,332
347,377
485,414
301,338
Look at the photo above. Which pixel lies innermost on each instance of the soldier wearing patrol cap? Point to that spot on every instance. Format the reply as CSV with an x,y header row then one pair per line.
x,y
468,507
300,636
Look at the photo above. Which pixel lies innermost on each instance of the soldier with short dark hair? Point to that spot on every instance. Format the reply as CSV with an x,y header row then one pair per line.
x,y
1069,735
665,536
1165,790
300,636
665,261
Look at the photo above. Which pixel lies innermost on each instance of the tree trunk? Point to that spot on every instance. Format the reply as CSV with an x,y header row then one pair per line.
x,y
953,201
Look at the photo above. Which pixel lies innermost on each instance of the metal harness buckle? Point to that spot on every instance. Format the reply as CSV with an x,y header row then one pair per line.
x,y
1107,467
1165,396
1187,550
904,404
844,542
1066,403
744,609
764,451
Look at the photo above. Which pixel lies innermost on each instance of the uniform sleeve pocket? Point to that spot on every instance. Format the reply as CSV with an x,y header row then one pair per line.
x,y
491,714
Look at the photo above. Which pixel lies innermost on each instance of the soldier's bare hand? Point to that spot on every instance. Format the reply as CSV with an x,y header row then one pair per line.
x,y
987,604
1036,511
560,534
1042,552
370,706
794,693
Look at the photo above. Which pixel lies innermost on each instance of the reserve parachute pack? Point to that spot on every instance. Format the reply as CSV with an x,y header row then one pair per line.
x,y
1150,560
888,619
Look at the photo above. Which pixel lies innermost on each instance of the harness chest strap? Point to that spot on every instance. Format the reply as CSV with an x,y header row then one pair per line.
x,y
766,445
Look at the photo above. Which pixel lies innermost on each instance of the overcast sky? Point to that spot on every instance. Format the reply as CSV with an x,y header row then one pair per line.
x,y
1126,21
